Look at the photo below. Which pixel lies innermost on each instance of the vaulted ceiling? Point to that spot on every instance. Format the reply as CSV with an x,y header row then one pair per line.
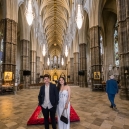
x,y
55,15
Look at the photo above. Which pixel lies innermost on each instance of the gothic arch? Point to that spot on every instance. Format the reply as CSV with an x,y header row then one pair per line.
x,y
24,28
109,19
20,2
95,13
83,32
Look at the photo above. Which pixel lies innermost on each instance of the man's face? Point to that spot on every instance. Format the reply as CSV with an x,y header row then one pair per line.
x,y
46,80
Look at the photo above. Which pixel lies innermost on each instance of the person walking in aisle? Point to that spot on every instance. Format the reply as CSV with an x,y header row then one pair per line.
x,y
112,90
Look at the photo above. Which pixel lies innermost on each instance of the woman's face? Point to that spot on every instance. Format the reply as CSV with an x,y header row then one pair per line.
x,y
61,81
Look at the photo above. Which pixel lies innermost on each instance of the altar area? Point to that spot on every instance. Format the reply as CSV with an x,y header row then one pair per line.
x,y
55,74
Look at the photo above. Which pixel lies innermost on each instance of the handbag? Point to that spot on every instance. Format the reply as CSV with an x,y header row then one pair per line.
x,y
63,118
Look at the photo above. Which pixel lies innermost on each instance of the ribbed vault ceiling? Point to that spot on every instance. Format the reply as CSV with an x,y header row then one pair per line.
x,y
55,15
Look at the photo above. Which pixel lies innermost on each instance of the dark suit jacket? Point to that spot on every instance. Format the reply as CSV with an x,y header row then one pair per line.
x,y
53,95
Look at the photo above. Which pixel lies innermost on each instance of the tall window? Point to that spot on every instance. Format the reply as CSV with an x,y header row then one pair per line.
x,y
102,53
55,59
1,50
101,48
116,50
1,45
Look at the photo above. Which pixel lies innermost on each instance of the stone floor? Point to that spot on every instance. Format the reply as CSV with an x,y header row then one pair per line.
x,y
92,108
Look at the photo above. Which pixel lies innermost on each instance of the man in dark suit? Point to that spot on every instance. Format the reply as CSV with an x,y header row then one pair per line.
x,y
48,99
112,90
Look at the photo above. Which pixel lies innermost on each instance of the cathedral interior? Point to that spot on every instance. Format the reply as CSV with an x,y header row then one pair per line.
x,y
85,41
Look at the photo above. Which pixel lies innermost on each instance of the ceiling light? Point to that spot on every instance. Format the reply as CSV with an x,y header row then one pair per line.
x,y
79,16
48,62
44,50
29,13
66,51
62,61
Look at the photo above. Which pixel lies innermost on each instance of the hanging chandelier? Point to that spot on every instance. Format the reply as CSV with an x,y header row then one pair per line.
x,y
66,51
79,17
62,61
29,13
48,62
44,50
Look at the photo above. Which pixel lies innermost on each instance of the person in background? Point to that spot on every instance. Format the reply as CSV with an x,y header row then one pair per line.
x,y
48,99
112,90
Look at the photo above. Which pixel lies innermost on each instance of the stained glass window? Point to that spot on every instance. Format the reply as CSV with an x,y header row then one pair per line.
x,y
1,45
55,59
116,50
101,48
101,52
101,44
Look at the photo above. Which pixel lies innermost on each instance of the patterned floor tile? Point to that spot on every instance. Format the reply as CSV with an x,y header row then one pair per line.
x,y
92,108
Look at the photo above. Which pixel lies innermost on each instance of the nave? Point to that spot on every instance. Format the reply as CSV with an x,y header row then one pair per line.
x,y
92,108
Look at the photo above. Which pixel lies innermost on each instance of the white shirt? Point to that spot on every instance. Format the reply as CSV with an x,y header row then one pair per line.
x,y
46,102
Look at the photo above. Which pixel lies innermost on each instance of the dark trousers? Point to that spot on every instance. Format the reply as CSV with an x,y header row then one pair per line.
x,y
52,112
111,98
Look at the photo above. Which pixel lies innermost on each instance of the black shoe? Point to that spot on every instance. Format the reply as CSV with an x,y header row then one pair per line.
x,y
115,108
111,106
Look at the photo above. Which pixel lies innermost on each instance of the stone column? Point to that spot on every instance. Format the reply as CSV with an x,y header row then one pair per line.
x,y
1,42
24,57
10,46
33,66
68,70
76,68
95,54
71,70
83,64
37,69
41,71
123,40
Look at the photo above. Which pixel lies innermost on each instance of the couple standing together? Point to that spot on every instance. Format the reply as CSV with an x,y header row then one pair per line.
x,y
52,99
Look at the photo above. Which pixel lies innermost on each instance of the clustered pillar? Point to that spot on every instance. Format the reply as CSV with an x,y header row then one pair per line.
x,y
10,46
71,70
33,66
37,69
123,40
68,73
24,57
76,67
95,54
83,65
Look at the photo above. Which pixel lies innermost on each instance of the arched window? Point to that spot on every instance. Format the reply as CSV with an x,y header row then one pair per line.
x,y
116,50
